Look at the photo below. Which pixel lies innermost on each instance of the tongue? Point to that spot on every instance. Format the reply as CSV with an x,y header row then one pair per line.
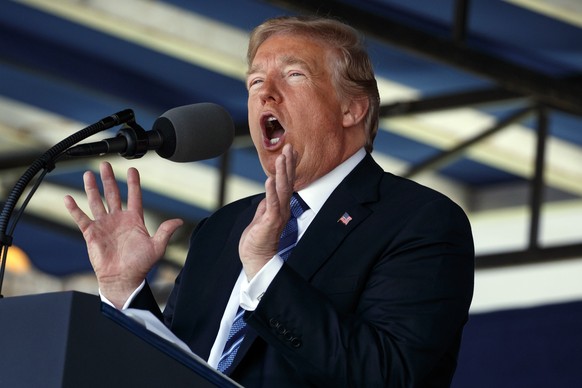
x,y
277,133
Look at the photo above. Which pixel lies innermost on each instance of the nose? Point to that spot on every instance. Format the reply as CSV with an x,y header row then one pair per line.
x,y
270,92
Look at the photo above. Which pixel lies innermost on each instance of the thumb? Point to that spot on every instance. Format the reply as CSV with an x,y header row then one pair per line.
x,y
165,232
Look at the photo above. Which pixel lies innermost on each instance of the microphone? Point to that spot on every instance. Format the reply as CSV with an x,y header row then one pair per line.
x,y
184,134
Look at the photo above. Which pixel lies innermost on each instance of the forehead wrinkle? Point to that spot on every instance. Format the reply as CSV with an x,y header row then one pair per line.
x,y
285,60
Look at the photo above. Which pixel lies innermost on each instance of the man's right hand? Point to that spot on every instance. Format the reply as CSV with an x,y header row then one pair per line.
x,y
120,247
260,240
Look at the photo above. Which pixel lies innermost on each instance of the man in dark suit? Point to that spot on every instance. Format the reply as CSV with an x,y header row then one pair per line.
x,y
376,291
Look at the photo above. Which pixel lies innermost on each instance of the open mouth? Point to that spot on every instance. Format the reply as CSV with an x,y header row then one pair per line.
x,y
274,131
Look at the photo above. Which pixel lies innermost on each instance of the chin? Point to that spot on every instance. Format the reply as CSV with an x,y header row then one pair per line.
x,y
268,164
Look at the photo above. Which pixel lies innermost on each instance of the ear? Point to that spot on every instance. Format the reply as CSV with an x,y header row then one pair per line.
x,y
354,111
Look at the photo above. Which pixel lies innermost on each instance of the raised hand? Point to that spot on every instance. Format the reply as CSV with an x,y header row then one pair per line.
x,y
120,247
259,241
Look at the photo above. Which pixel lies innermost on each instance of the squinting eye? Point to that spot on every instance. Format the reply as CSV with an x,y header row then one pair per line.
x,y
254,82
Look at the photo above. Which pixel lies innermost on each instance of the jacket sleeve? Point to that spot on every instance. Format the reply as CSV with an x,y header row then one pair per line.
x,y
145,300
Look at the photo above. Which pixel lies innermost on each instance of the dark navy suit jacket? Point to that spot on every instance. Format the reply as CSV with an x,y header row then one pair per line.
x,y
378,302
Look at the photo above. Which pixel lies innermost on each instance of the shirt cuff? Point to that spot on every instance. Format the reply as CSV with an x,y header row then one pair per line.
x,y
252,292
128,301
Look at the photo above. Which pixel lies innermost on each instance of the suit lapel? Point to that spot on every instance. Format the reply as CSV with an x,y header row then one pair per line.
x,y
326,231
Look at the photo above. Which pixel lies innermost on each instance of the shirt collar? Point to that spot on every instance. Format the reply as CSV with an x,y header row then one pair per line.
x,y
319,191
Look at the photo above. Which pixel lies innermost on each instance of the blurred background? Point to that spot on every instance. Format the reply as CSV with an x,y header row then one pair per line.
x,y
481,100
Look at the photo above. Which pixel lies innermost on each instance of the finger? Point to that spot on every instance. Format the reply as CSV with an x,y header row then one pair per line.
x,y
93,195
291,163
134,194
261,209
165,231
110,187
78,215
283,184
271,201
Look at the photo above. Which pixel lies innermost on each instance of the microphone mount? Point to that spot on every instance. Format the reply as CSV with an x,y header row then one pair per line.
x,y
135,139
131,142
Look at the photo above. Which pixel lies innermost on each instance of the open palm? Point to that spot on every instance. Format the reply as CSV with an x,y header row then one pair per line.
x,y
120,247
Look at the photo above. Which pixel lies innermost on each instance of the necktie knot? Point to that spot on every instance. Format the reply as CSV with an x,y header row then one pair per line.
x,y
298,206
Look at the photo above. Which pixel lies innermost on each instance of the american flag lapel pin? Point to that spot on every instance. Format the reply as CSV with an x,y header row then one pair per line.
x,y
345,218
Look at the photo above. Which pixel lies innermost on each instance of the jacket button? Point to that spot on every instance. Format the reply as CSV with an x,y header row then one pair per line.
x,y
295,342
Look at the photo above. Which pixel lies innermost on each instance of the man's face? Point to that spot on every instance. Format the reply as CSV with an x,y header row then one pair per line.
x,y
292,100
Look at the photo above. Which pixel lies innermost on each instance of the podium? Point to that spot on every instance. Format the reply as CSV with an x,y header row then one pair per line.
x,y
71,339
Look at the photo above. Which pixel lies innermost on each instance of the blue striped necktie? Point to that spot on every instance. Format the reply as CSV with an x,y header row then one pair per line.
x,y
287,242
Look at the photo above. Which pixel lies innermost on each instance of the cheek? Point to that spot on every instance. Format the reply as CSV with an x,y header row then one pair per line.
x,y
321,148
254,128
256,136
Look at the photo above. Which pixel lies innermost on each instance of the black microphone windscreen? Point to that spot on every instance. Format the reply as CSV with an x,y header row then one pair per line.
x,y
194,132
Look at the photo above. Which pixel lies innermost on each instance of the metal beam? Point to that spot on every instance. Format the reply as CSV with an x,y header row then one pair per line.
x,y
537,180
447,156
557,93
19,159
448,101
529,256
460,20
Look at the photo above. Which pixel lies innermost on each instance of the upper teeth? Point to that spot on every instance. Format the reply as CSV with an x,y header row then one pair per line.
x,y
271,118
